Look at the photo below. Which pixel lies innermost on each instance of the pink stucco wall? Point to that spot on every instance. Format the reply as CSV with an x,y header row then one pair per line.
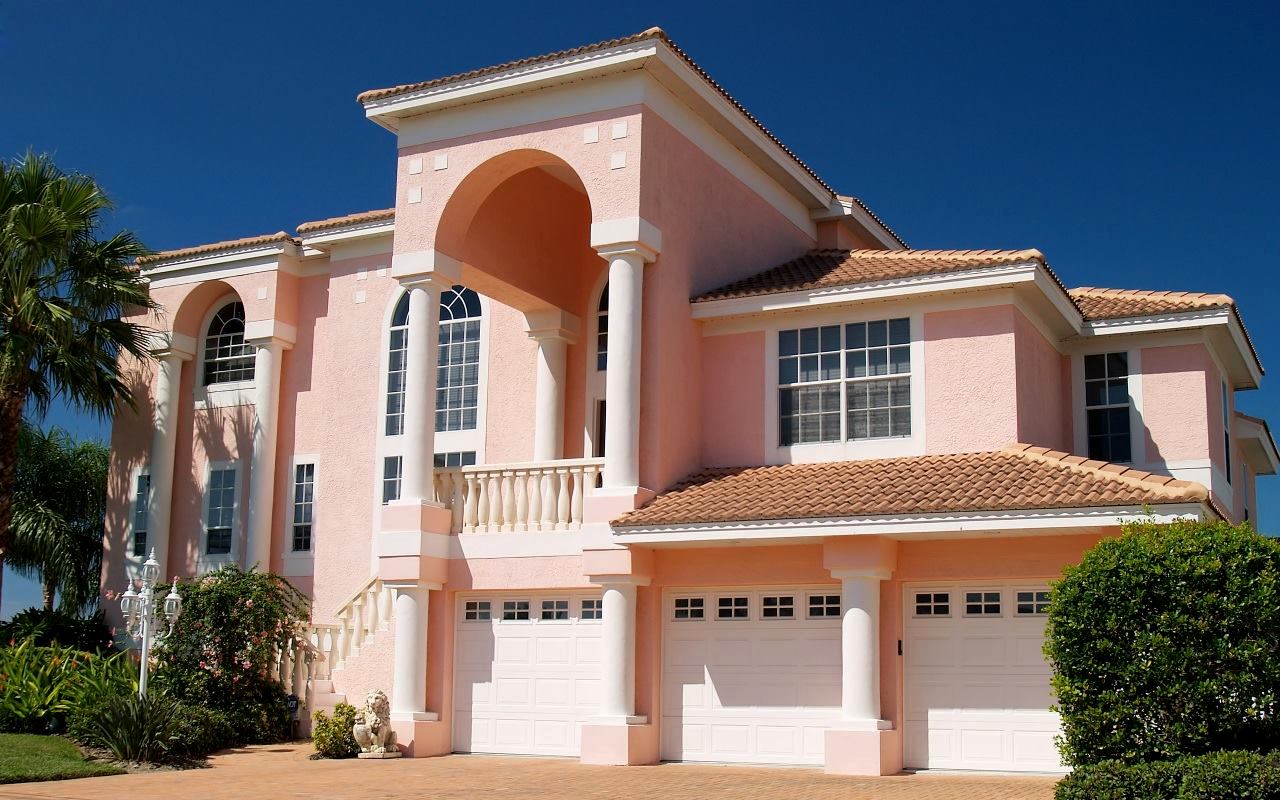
x,y
1177,402
1043,388
733,408
970,379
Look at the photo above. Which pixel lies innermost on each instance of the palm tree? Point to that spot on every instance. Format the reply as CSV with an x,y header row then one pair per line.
x,y
59,504
64,288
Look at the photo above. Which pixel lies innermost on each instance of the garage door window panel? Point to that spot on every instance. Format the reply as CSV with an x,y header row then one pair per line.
x,y
933,604
824,605
777,607
689,608
982,604
591,610
515,610
555,609
733,608
1033,603
477,611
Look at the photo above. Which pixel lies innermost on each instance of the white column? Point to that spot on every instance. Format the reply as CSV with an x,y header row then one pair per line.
x,y
622,379
618,650
860,647
262,465
422,343
164,441
548,427
409,676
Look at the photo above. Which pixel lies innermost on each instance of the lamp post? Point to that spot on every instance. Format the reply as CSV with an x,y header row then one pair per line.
x,y
143,613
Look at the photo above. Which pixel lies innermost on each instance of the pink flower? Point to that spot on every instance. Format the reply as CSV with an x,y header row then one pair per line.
x,y
248,604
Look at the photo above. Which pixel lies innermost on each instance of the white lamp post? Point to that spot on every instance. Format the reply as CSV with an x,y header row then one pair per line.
x,y
143,614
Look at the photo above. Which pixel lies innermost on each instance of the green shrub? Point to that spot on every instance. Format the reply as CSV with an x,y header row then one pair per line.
x,y
1223,775
1165,642
131,727
332,735
55,627
200,731
40,685
220,653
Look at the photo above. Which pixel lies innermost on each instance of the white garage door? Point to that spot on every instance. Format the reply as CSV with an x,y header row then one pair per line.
x,y
750,675
977,691
526,672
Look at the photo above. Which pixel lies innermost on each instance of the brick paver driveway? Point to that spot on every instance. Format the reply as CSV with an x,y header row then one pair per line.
x,y
284,772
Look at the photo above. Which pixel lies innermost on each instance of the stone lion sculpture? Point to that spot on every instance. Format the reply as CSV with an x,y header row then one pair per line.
x,y
372,730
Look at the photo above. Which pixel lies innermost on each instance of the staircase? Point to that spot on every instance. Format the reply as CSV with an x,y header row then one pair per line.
x,y
308,667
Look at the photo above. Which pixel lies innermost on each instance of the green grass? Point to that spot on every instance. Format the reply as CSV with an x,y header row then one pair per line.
x,y
25,757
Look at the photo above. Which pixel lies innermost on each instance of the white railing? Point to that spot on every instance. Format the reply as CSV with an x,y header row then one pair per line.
x,y
502,498
365,612
295,666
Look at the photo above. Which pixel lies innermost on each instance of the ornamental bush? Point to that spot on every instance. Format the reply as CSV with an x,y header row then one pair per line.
x,y
1165,642
332,736
1234,775
219,655
56,627
39,686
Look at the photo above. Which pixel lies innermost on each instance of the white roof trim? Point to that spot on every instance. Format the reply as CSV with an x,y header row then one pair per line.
x,y
345,233
1250,430
1063,519
1208,318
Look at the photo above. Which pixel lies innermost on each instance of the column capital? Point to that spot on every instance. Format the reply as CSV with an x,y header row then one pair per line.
x,y
869,573
425,265
267,332
628,236
552,323
620,580
168,344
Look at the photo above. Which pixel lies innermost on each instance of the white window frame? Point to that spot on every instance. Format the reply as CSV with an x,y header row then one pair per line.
x,y
734,595
219,395
568,609
932,591
1228,450
1034,590
595,378
778,595
598,609
997,590
824,594
532,609
689,596
487,610
1080,413
294,563
131,557
844,450
204,561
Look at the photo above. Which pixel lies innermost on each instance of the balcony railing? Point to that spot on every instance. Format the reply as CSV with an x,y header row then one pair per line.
x,y
508,498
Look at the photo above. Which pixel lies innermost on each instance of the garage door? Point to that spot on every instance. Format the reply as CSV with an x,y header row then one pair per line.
x,y
977,691
526,672
750,675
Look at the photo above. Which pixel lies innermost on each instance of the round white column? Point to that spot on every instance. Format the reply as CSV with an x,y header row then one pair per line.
x,y
548,428
262,464
422,342
164,442
622,379
860,647
409,676
618,651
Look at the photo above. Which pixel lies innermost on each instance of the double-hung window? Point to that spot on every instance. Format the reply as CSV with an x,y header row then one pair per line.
x,y
304,505
1107,404
844,382
220,520
392,472
458,361
1226,428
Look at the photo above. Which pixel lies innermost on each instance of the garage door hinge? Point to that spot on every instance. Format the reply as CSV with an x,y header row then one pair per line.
x,y
899,647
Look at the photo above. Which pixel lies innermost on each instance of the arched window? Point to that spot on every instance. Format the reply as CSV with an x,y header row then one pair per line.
x,y
227,356
457,365
602,330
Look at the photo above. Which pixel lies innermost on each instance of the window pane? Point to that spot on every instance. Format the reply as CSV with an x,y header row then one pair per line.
x,y
1117,364
1095,367
899,331
788,370
855,336
788,343
809,340
830,338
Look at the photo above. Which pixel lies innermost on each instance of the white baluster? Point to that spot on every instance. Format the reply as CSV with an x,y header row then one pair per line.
x,y
548,500
575,510
562,500
521,522
495,504
535,499
508,481
482,503
357,623
299,671
384,604
455,503
471,515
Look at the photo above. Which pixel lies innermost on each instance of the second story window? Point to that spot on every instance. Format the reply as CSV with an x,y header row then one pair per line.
x,y
398,351
304,504
602,331
220,517
457,458
141,500
392,470
227,356
1226,428
844,382
1107,404
458,365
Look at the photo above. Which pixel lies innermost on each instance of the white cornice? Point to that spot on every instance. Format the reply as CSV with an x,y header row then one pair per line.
x,y
907,525
1213,320
1267,460
347,233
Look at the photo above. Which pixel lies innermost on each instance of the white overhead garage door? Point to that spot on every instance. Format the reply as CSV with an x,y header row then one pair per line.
x,y
977,691
750,675
526,672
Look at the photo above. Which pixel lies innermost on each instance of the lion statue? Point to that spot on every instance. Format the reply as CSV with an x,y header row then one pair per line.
x,y
372,730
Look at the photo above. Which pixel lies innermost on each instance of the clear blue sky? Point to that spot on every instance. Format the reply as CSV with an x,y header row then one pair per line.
x,y
1134,143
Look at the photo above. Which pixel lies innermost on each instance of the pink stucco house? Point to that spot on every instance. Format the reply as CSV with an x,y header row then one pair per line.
x,y
624,437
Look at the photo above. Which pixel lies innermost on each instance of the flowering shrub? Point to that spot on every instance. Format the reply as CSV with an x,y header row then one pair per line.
x,y
220,653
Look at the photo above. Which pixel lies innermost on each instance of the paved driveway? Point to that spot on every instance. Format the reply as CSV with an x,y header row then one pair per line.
x,y
284,772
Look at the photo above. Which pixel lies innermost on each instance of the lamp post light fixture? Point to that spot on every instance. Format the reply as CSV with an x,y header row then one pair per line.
x,y
144,613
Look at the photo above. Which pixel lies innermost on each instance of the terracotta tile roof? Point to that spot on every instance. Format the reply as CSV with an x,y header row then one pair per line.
x,y
1118,303
348,219
373,95
825,269
217,247
1019,477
